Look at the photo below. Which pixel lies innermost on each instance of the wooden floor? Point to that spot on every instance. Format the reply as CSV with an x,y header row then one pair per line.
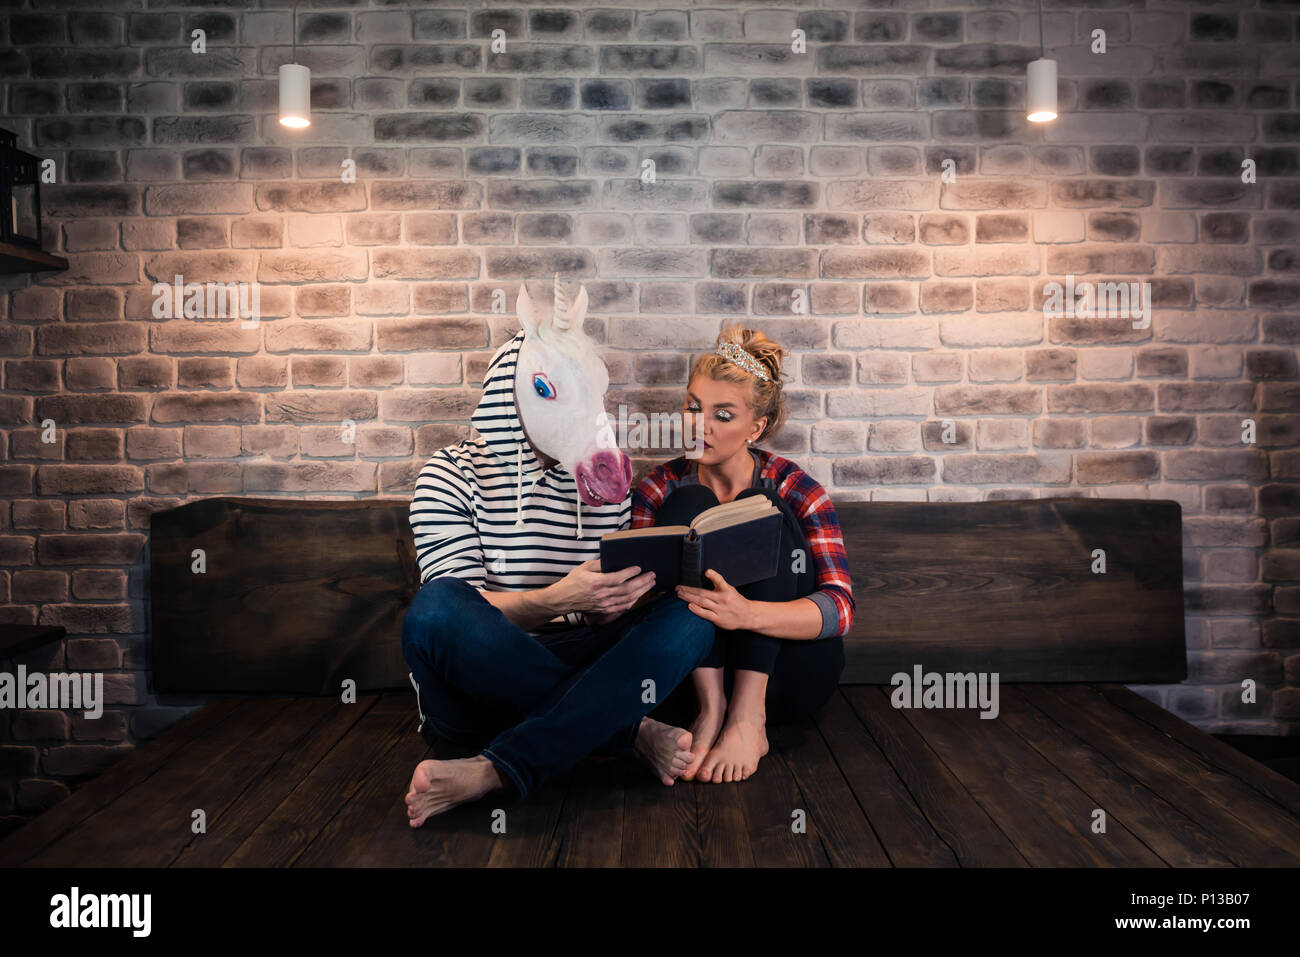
x,y
310,782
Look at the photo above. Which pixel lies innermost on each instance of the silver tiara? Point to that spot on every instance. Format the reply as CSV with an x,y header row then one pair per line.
x,y
729,350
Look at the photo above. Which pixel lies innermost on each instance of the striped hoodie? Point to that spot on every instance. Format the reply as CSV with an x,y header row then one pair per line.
x,y
485,510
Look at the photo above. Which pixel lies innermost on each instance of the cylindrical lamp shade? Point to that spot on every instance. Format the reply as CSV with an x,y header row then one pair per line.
x,y
1042,90
295,95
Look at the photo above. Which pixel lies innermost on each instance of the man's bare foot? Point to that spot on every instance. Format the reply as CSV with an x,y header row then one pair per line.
x,y
704,732
665,748
438,786
736,755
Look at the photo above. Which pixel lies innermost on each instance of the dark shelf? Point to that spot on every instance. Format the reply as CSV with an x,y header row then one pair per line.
x,y
16,258
17,639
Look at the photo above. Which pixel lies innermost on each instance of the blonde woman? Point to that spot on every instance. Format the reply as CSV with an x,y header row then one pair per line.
x,y
779,643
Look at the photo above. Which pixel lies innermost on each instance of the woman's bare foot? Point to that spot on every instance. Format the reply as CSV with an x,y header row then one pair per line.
x,y
704,733
665,748
438,786
736,755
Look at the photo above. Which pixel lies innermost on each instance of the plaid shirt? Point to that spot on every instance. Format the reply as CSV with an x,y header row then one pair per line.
x,y
810,504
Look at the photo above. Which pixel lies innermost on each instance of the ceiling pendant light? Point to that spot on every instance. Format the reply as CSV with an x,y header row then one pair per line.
x,y
1042,81
295,88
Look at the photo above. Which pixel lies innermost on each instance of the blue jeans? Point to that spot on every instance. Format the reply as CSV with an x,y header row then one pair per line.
x,y
475,673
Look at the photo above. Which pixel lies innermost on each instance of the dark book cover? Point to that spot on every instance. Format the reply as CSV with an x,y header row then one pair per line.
x,y
741,554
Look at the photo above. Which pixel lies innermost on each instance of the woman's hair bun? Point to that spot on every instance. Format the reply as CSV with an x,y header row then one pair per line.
x,y
758,345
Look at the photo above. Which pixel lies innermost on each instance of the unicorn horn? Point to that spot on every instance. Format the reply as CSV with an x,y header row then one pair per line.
x,y
560,319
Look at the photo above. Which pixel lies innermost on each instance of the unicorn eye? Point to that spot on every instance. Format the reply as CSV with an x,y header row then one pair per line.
x,y
542,386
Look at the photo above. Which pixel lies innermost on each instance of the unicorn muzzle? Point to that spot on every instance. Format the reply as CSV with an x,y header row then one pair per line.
x,y
604,477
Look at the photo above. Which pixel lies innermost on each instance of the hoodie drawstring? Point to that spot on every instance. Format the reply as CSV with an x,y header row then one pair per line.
x,y
519,493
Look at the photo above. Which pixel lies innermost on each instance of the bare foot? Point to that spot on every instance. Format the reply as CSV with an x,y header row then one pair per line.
x,y
736,755
665,748
438,786
704,732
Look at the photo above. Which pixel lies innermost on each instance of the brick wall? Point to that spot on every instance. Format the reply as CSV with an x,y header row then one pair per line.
x,y
774,172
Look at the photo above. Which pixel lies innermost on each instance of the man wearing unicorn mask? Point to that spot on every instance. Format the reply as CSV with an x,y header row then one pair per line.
x,y
518,645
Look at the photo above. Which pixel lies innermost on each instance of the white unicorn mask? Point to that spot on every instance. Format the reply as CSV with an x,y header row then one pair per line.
x,y
560,384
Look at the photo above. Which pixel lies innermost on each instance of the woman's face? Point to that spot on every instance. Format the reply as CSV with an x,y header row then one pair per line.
x,y
721,418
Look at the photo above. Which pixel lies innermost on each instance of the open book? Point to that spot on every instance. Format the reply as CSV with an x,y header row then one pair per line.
x,y
740,540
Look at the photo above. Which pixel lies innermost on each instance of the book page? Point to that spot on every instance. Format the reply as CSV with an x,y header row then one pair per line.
x,y
648,531
736,512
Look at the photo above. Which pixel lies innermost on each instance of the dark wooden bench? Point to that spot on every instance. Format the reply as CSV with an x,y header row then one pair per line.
x,y
299,597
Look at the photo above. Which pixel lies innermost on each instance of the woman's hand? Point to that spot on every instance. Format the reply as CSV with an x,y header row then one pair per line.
x,y
727,608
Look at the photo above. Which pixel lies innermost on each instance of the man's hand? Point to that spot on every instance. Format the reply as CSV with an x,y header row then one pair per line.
x,y
727,608
603,596
602,619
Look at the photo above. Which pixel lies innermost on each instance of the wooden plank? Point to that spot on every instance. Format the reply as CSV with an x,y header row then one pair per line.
x,y
529,840
723,830
955,816
377,803
897,823
832,809
956,585
1043,813
1254,831
293,825
105,788
393,842
372,829
147,825
769,799
464,833
1213,751
660,822
314,592
1173,836
459,838
241,770
297,596
589,832
236,822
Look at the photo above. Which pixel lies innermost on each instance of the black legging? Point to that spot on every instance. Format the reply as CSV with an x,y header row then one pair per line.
x,y
802,673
